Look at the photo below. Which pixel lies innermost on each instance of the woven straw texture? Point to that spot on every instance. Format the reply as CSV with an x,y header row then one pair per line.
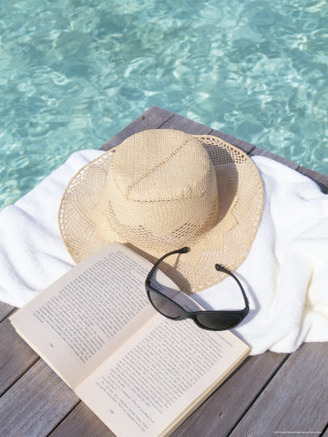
x,y
161,190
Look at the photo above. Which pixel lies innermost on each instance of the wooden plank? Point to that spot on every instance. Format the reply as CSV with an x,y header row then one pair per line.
x,y
82,422
153,118
320,179
296,400
184,124
16,356
35,404
5,310
291,164
227,405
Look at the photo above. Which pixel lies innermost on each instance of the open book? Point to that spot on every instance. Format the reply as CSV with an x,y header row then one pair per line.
x,y
141,373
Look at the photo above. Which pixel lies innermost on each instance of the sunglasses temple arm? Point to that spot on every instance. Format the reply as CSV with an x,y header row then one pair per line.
x,y
228,272
150,274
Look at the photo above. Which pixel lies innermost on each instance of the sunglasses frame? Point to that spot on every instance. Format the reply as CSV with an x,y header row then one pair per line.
x,y
240,314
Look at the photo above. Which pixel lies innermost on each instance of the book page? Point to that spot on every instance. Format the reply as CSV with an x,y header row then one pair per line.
x,y
150,385
84,316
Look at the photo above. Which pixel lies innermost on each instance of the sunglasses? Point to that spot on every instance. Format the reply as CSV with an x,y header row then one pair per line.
x,y
177,305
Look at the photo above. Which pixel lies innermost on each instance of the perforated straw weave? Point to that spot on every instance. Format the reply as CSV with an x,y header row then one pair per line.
x,y
161,190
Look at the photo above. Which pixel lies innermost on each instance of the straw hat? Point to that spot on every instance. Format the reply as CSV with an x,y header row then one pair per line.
x,y
161,190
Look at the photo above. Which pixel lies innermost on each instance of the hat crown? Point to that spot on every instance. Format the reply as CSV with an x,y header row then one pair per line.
x,y
162,184
163,166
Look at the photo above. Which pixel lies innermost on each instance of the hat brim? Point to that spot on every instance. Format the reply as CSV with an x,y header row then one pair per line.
x,y
227,243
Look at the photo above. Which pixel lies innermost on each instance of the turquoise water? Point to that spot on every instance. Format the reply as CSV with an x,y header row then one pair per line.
x,y
73,73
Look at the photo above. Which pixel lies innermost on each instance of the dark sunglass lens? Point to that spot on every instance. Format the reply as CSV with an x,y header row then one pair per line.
x,y
164,306
219,321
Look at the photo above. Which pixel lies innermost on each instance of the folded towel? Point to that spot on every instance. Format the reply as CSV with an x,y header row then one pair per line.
x,y
284,275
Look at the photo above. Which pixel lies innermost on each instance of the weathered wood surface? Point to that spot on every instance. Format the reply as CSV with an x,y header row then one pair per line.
x,y
296,400
270,394
16,356
5,310
36,403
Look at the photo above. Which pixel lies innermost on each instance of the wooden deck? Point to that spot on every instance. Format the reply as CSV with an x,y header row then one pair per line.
x,y
269,395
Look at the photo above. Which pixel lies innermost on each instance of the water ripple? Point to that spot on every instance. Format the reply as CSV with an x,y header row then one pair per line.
x,y
74,73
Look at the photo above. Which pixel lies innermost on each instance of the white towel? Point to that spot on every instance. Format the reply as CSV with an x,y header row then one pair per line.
x,y
32,254
286,271
285,274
